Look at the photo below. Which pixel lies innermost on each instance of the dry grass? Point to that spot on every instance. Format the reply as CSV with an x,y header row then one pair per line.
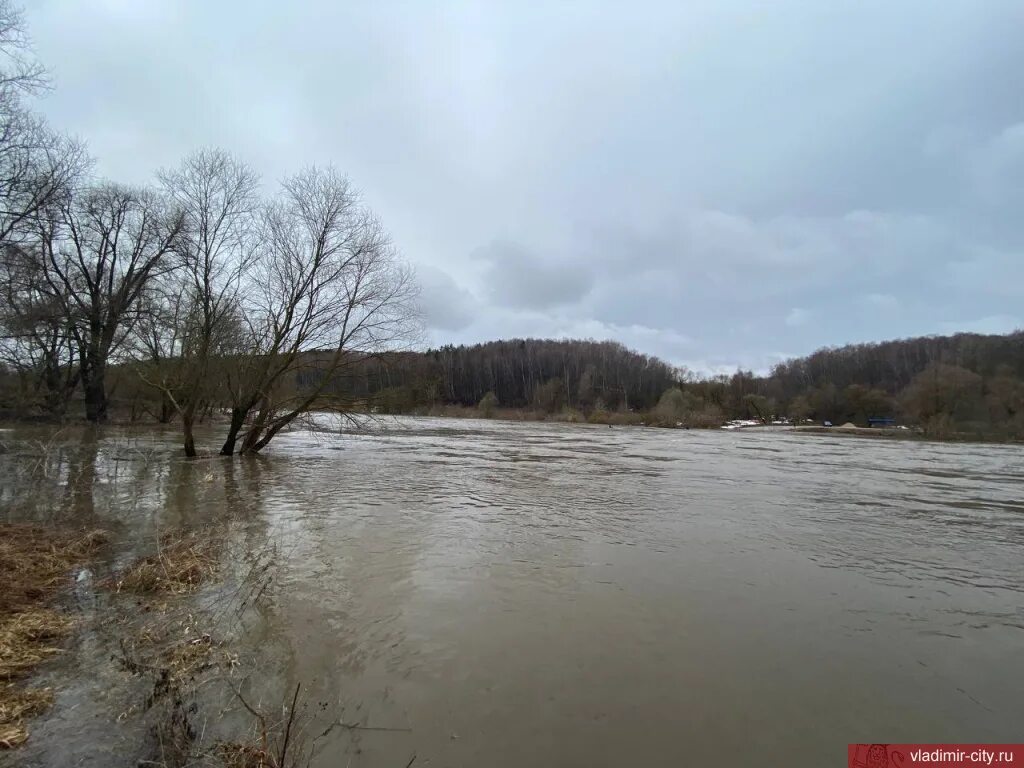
x,y
34,562
174,663
191,656
16,706
35,559
274,744
27,639
182,563
237,755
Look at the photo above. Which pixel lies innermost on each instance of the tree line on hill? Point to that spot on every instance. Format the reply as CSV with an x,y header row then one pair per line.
x,y
963,384
522,373
966,383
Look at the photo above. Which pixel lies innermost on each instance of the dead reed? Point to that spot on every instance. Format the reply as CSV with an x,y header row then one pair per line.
x,y
34,564
180,565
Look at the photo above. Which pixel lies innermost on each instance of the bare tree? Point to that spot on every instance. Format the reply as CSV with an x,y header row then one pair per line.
x,y
38,168
36,165
327,292
36,342
195,317
158,341
112,243
20,72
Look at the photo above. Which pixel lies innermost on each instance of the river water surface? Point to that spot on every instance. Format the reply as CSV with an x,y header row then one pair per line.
x,y
507,594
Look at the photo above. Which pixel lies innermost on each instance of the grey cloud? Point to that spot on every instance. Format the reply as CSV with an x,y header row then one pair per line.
x,y
679,176
797,316
446,306
517,277
996,167
989,324
881,301
987,273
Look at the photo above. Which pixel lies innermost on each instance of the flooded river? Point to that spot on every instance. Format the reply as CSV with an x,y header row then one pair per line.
x,y
499,594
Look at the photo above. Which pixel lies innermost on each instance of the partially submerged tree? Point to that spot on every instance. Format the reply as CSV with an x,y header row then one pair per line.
x,y
326,293
38,169
943,395
37,166
757,407
672,407
195,316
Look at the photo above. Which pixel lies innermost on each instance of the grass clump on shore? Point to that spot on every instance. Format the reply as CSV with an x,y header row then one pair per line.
x,y
27,639
181,564
35,559
17,705
34,562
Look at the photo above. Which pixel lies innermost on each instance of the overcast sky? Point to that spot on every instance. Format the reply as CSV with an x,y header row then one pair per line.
x,y
718,183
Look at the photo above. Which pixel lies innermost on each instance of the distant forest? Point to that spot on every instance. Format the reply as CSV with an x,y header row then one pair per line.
x,y
965,384
521,373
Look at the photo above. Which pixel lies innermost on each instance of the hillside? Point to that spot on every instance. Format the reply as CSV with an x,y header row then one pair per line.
x,y
947,384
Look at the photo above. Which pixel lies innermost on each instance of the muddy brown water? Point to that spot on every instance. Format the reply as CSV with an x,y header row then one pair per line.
x,y
508,594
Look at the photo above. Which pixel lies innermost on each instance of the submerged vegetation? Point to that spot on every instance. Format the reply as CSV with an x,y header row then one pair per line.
x,y
177,647
34,565
179,566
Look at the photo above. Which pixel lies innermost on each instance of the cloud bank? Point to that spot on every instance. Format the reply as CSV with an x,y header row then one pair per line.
x,y
718,183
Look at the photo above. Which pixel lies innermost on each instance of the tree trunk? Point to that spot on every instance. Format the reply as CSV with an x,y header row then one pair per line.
x,y
256,430
249,445
187,420
95,390
166,409
56,400
237,420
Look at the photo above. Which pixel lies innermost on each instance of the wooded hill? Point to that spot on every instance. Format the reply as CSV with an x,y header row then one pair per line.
x,y
523,373
963,383
946,384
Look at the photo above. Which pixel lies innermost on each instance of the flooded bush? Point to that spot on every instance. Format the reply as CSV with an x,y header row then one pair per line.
x,y
707,417
570,416
625,418
670,408
488,404
273,744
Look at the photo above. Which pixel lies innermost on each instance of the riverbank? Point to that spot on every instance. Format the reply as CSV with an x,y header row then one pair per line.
x,y
893,433
34,564
907,434
160,631
701,421
693,420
